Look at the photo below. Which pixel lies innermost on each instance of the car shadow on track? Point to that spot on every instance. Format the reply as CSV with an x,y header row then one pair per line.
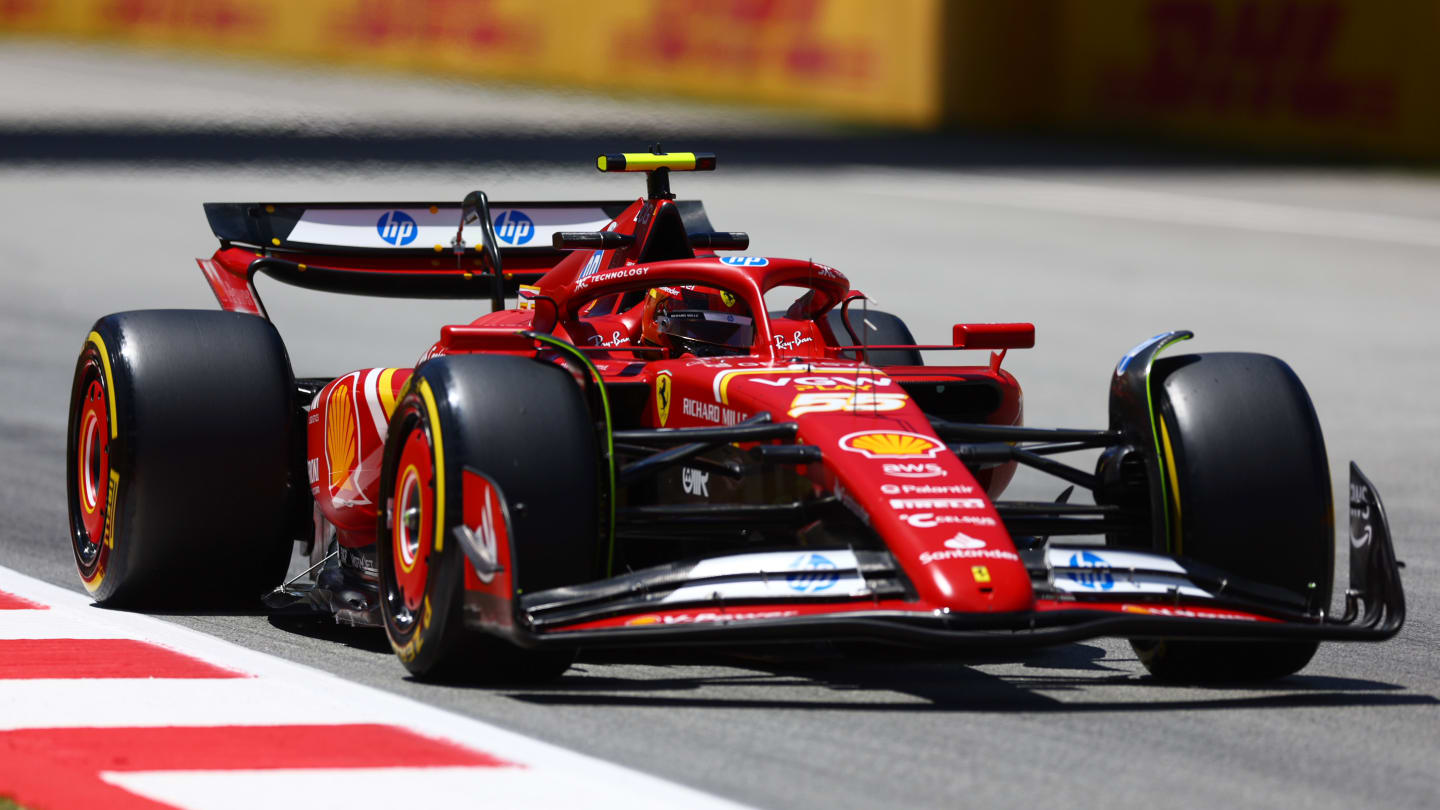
x,y
1073,678
323,627
843,680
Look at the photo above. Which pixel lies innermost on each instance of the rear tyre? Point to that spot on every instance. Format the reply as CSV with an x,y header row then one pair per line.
x,y
1248,464
181,432
876,328
524,424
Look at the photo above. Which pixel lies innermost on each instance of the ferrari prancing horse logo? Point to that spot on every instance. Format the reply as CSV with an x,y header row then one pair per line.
x,y
662,397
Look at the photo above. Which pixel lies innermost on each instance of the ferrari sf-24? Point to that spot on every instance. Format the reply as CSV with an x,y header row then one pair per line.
x,y
668,441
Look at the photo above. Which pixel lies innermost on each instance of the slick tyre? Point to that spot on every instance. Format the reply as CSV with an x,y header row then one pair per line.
x,y
876,328
524,424
182,431
1250,494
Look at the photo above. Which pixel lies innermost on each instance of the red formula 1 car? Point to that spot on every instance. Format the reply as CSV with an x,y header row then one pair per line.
x,y
643,453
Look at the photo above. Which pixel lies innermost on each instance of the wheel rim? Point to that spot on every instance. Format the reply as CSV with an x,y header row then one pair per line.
x,y
412,526
92,471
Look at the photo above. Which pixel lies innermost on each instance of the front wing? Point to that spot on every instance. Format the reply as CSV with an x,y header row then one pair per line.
x,y
839,594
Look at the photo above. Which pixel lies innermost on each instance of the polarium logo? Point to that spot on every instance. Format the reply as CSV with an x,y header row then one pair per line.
x,y
812,573
514,228
1098,577
397,228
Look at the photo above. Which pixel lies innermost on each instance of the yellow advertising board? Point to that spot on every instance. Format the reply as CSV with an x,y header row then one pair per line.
x,y
1351,76
857,59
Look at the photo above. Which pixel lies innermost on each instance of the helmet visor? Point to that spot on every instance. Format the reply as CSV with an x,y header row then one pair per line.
x,y
728,329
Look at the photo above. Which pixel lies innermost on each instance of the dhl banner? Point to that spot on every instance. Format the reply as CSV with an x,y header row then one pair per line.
x,y
852,58
1346,76
1353,76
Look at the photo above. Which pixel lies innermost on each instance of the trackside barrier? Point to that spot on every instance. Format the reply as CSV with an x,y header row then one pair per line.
x,y
852,58
1338,76
1341,76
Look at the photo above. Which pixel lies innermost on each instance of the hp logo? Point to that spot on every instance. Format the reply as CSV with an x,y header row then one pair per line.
x,y
397,228
811,573
1100,578
514,228
745,261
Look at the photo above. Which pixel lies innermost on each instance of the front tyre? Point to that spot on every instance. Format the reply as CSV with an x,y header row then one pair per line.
x,y
525,425
1250,493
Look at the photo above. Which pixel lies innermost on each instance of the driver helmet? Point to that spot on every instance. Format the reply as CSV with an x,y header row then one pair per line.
x,y
703,321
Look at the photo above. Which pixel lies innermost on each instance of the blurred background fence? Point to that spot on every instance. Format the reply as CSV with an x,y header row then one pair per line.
x,y
1323,77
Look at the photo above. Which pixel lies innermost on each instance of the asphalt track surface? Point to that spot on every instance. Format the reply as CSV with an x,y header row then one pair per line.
x,y
1334,270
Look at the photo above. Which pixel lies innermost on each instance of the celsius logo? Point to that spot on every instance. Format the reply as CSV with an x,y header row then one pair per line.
x,y
745,261
812,573
1098,578
514,228
397,228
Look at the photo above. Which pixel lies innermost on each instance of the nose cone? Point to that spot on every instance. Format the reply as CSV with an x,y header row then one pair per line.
x,y
937,522
889,467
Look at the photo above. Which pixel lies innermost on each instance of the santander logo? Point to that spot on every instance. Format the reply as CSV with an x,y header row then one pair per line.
x,y
964,547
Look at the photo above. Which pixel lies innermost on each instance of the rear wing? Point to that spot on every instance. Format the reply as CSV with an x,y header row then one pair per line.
x,y
400,249
413,229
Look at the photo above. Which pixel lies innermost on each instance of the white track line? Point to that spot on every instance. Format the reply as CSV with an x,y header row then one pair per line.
x,y
1150,206
281,692
15,624
387,787
45,703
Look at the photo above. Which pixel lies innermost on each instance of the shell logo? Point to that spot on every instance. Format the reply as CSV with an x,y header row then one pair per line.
x,y
640,621
340,437
890,444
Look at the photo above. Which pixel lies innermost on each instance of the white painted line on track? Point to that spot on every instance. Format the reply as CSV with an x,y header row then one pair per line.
x,y
1149,206
282,693
381,787
16,624
50,703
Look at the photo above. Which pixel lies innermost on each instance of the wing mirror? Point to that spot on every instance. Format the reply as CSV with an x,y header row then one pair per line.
x,y
547,314
994,336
